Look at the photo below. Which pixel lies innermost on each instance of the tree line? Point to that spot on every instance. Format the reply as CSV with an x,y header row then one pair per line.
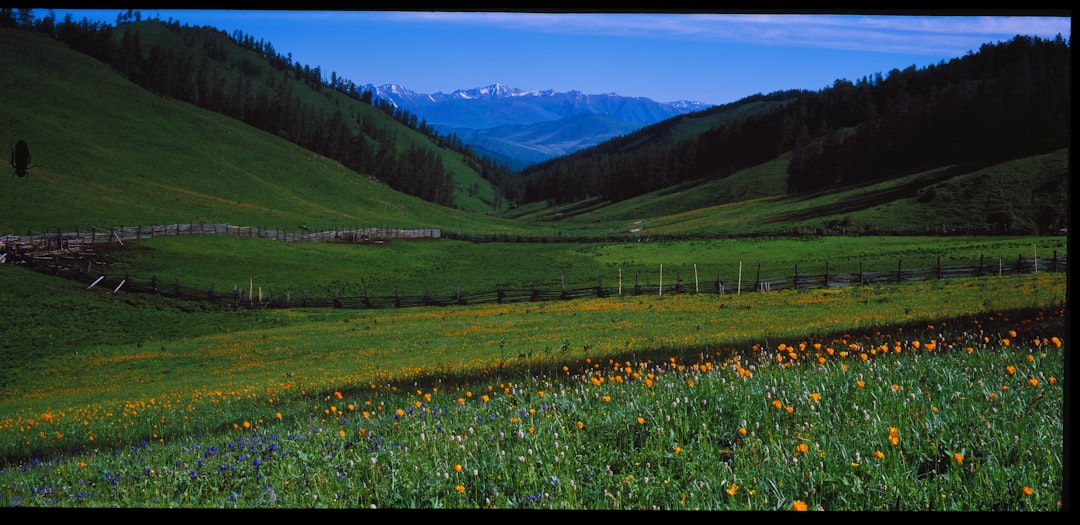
x,y
1008,100
272,92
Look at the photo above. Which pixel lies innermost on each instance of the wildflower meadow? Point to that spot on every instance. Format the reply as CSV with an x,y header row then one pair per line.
x,y
964,413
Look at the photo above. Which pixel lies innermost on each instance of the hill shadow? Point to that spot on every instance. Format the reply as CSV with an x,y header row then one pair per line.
x,y
865,200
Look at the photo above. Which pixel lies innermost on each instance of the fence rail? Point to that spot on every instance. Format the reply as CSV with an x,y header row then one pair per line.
x,y
251,298
32,244
71,255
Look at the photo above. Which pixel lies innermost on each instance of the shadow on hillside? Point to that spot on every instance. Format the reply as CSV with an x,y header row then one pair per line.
x,y
863,201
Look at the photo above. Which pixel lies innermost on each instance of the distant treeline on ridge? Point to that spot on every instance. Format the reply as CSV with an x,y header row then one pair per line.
x,y
1008,100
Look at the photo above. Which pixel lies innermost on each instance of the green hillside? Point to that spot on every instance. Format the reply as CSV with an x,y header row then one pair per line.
x,y
1010,197
107,153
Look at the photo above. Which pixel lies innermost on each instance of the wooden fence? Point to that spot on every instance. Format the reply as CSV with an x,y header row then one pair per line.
x,y
657,285
55,244
72,255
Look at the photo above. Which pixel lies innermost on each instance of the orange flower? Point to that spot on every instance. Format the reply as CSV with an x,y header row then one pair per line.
x,y
1033,382
816,397
460,489
1028,491
641,420
732,489
958,457
742,431
879,454
580,425
802,448
1010,369
798,506
457,468
776,403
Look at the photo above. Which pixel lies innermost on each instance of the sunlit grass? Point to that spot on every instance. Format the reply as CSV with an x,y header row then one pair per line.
x,y
966,416
376,408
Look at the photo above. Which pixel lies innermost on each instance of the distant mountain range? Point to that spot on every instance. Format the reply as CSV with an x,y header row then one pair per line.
x,y
519,128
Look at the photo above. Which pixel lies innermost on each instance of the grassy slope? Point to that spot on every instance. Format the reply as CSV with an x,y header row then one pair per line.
x,y
153,32
107,153
755,200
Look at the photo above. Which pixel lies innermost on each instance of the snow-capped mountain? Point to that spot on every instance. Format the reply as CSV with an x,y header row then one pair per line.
x,y
501,115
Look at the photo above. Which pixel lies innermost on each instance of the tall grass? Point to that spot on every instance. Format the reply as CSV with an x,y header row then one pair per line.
x,y
253,417
962,415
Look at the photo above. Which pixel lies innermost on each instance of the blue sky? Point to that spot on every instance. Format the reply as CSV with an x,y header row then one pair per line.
x,y
712,58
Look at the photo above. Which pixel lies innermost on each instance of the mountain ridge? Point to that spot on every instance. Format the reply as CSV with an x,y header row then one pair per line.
x,y
481,115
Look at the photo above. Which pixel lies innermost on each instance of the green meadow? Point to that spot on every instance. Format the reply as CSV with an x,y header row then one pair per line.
x,y
943,394
615,403
446,267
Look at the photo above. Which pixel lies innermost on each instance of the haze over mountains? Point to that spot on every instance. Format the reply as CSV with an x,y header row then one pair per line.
x,y
519,128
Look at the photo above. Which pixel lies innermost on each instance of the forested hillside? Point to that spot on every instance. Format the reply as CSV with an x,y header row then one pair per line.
x,y
1006,101
245,78
1009,100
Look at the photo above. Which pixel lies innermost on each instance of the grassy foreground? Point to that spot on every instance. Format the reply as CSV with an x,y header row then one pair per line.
x,y
940,395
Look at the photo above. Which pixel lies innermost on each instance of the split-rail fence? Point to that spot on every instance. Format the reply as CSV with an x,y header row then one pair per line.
x,y
73,255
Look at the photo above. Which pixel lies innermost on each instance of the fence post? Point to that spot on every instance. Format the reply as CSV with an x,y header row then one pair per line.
x,y
1019,263
939,267
738,289
826,274
661,279
899,274
637,283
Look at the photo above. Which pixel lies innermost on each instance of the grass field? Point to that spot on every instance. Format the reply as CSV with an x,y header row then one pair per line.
x,y
445,267
156,405
935,394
